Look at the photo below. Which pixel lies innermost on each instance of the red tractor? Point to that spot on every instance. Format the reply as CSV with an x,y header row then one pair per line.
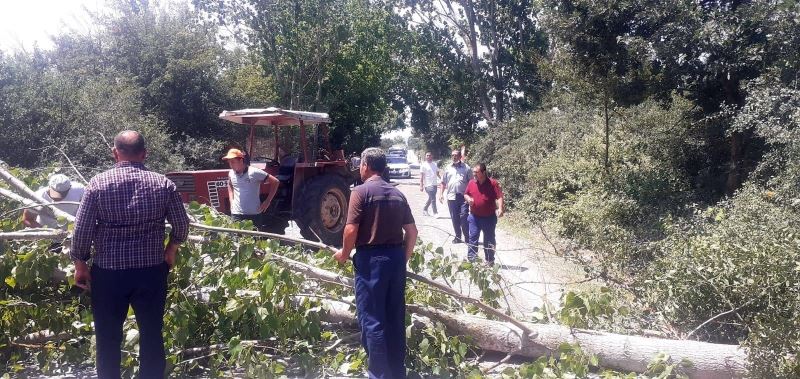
x,y
294,147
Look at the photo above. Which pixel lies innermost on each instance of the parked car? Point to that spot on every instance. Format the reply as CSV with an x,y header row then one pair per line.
x,y
397,151
398,167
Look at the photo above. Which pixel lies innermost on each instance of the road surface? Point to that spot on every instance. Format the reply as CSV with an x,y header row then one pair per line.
x,y
532,274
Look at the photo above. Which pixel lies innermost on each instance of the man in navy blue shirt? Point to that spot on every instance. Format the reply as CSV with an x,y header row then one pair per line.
x,y
381,228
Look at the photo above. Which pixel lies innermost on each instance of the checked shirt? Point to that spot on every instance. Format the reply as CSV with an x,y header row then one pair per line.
x,y
122,213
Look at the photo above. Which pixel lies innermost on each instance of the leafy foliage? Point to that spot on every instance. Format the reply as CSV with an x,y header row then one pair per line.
x,y
561,177
590,309
230,309
719,272
160,72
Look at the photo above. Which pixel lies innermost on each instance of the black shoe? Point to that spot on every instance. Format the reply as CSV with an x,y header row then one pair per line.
x,y
457,240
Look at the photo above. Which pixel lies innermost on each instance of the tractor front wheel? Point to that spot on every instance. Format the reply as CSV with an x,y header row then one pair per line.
x,y
323,209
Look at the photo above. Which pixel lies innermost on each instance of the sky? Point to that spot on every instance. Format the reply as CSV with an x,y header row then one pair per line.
x,y
24,23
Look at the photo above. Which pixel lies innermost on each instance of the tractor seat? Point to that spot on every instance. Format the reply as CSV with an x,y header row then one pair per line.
x,y
286,169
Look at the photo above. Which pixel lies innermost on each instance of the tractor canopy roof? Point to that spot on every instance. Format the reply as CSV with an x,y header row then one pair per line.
x,y
274,116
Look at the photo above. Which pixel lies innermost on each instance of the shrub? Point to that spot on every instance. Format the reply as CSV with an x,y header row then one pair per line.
x,y
731,272
559,175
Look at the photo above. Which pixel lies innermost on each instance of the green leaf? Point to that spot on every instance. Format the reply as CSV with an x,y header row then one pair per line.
x,y
424,345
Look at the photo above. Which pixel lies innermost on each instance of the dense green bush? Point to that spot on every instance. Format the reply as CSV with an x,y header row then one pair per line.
x,y
158,71
514,151
724,272
46,112
735,264
551,164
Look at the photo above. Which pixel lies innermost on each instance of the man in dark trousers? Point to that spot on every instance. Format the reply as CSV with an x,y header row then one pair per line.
x,y
485,199
122,215
454,182
381,228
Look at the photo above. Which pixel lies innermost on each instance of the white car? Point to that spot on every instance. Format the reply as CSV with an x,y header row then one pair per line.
x,y
398,167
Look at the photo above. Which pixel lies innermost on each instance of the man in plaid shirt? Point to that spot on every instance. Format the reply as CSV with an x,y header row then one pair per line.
x,y
122,214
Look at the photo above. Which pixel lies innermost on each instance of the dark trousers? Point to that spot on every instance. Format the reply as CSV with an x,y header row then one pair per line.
x,y
264,223
487,225
459,210
380,280
258,219
431,191
144,289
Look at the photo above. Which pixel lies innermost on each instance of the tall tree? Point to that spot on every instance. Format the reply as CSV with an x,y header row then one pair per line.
x,y
326,55
175,58
706,50
501,43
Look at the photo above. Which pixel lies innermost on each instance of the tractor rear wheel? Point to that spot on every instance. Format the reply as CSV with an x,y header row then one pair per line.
x,y
323,209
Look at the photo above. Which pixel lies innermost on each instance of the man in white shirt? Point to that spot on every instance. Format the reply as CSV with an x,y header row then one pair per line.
x,y
244,189
428,182
59,189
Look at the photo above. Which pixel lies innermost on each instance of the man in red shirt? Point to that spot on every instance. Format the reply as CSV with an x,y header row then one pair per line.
x,y
485,199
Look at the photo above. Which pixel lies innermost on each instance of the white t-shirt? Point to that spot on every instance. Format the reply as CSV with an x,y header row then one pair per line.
x,y
429,173
75,194
246,190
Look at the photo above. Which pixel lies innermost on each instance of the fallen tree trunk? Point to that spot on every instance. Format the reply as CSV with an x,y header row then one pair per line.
x,y
616,351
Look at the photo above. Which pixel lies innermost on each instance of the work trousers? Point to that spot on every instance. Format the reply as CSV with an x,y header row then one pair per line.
x,y
380,279
144,289
264,223
431,191
459,210
257,219
487,226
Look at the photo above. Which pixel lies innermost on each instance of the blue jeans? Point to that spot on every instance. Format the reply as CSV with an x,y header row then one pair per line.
x,y
487,225
459,209
144,289
380,283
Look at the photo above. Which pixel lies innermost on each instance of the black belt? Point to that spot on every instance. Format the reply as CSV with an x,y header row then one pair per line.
x,y
383,246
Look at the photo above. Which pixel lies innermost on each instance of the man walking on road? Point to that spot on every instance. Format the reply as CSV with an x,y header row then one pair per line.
x,y
428,182
454,182
244,190
484,196
122,214
381,227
